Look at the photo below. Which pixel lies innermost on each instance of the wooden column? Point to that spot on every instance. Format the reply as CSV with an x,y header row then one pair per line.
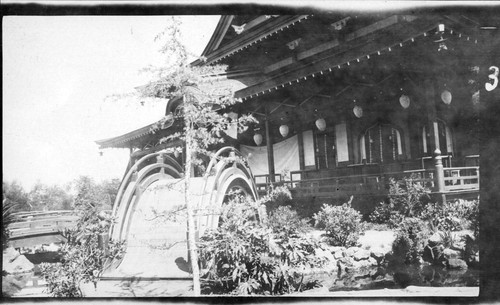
x,y
432,126
270,152
439,177
300,140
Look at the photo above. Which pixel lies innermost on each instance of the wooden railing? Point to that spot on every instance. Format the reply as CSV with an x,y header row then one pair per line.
x,y
41,223
461,178
455,179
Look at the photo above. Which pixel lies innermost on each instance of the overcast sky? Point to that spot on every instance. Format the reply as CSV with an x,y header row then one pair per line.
x,y
57,73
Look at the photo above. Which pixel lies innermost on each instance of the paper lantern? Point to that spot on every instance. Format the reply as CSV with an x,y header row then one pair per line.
x,y
176,153
284,130
321,124
404,100
257,138
358,111
446,97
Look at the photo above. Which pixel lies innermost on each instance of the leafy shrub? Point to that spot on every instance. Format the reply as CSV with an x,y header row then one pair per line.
x,y
452,216
83,260
276,197
411,236
285,222
245,256
407,198
8,209
342,224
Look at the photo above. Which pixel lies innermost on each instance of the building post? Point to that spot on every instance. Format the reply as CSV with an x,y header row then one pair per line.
x,y
300,140
270,151
439,177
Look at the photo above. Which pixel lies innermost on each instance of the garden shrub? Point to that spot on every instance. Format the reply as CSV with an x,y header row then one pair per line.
x,y
8,217
342,224
411,237
276,197
285,222
245,256
452,216
407,198
82,260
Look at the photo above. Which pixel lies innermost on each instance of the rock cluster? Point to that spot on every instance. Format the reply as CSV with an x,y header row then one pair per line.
x,y
450,254
341,259
15,263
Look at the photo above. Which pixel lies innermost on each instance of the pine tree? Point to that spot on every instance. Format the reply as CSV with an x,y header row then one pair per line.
x,y
204,111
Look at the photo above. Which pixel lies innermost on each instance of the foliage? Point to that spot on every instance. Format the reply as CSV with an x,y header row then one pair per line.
x,y
204,111
342,224
470,251
454,216
93,195
8,209
407,198
83,259
245,256
49,197
13,191
278,196
411,236
285,222
206,102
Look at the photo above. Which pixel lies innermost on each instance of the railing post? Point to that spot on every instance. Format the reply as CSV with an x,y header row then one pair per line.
x,y
439,177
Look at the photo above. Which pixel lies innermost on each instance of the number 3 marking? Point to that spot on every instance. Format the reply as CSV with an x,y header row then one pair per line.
x,y
494,77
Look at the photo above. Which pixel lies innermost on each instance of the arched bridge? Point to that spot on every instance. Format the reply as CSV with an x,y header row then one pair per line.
x,y
40,227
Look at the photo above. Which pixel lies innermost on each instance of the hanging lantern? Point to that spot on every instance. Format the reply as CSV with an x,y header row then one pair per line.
x,y
284,130
475,98
446,97
404,100
321,124
101,153
257,138
176,153
358,111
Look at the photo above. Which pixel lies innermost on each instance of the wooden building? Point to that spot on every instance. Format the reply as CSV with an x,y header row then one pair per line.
x,y
347,101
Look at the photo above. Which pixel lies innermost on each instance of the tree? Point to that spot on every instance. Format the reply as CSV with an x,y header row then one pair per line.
x,y
44,197
204,112
14,192
90,194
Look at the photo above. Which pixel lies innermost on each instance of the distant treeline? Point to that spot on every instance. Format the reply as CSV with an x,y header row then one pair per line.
x,y
80,192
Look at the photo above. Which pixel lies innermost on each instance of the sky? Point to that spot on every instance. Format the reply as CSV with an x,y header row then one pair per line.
x,y
59,73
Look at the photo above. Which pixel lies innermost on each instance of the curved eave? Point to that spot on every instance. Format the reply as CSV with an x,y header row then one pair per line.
x,y
125,140
246,39
324,58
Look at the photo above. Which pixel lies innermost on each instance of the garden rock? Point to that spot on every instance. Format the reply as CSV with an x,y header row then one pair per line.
x,y
435,239
433,254
455,263
19,265
449,253
373,262
338,254
337,249
9,255
361,255
377,255
351,250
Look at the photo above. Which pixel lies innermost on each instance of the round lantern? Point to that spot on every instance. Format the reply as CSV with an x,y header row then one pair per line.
x,y
475,98
358,111
446,97
321,124
176,153
257,138
284,130
404,100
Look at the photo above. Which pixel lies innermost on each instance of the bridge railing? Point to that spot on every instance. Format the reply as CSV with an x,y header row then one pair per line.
x,y
41,222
